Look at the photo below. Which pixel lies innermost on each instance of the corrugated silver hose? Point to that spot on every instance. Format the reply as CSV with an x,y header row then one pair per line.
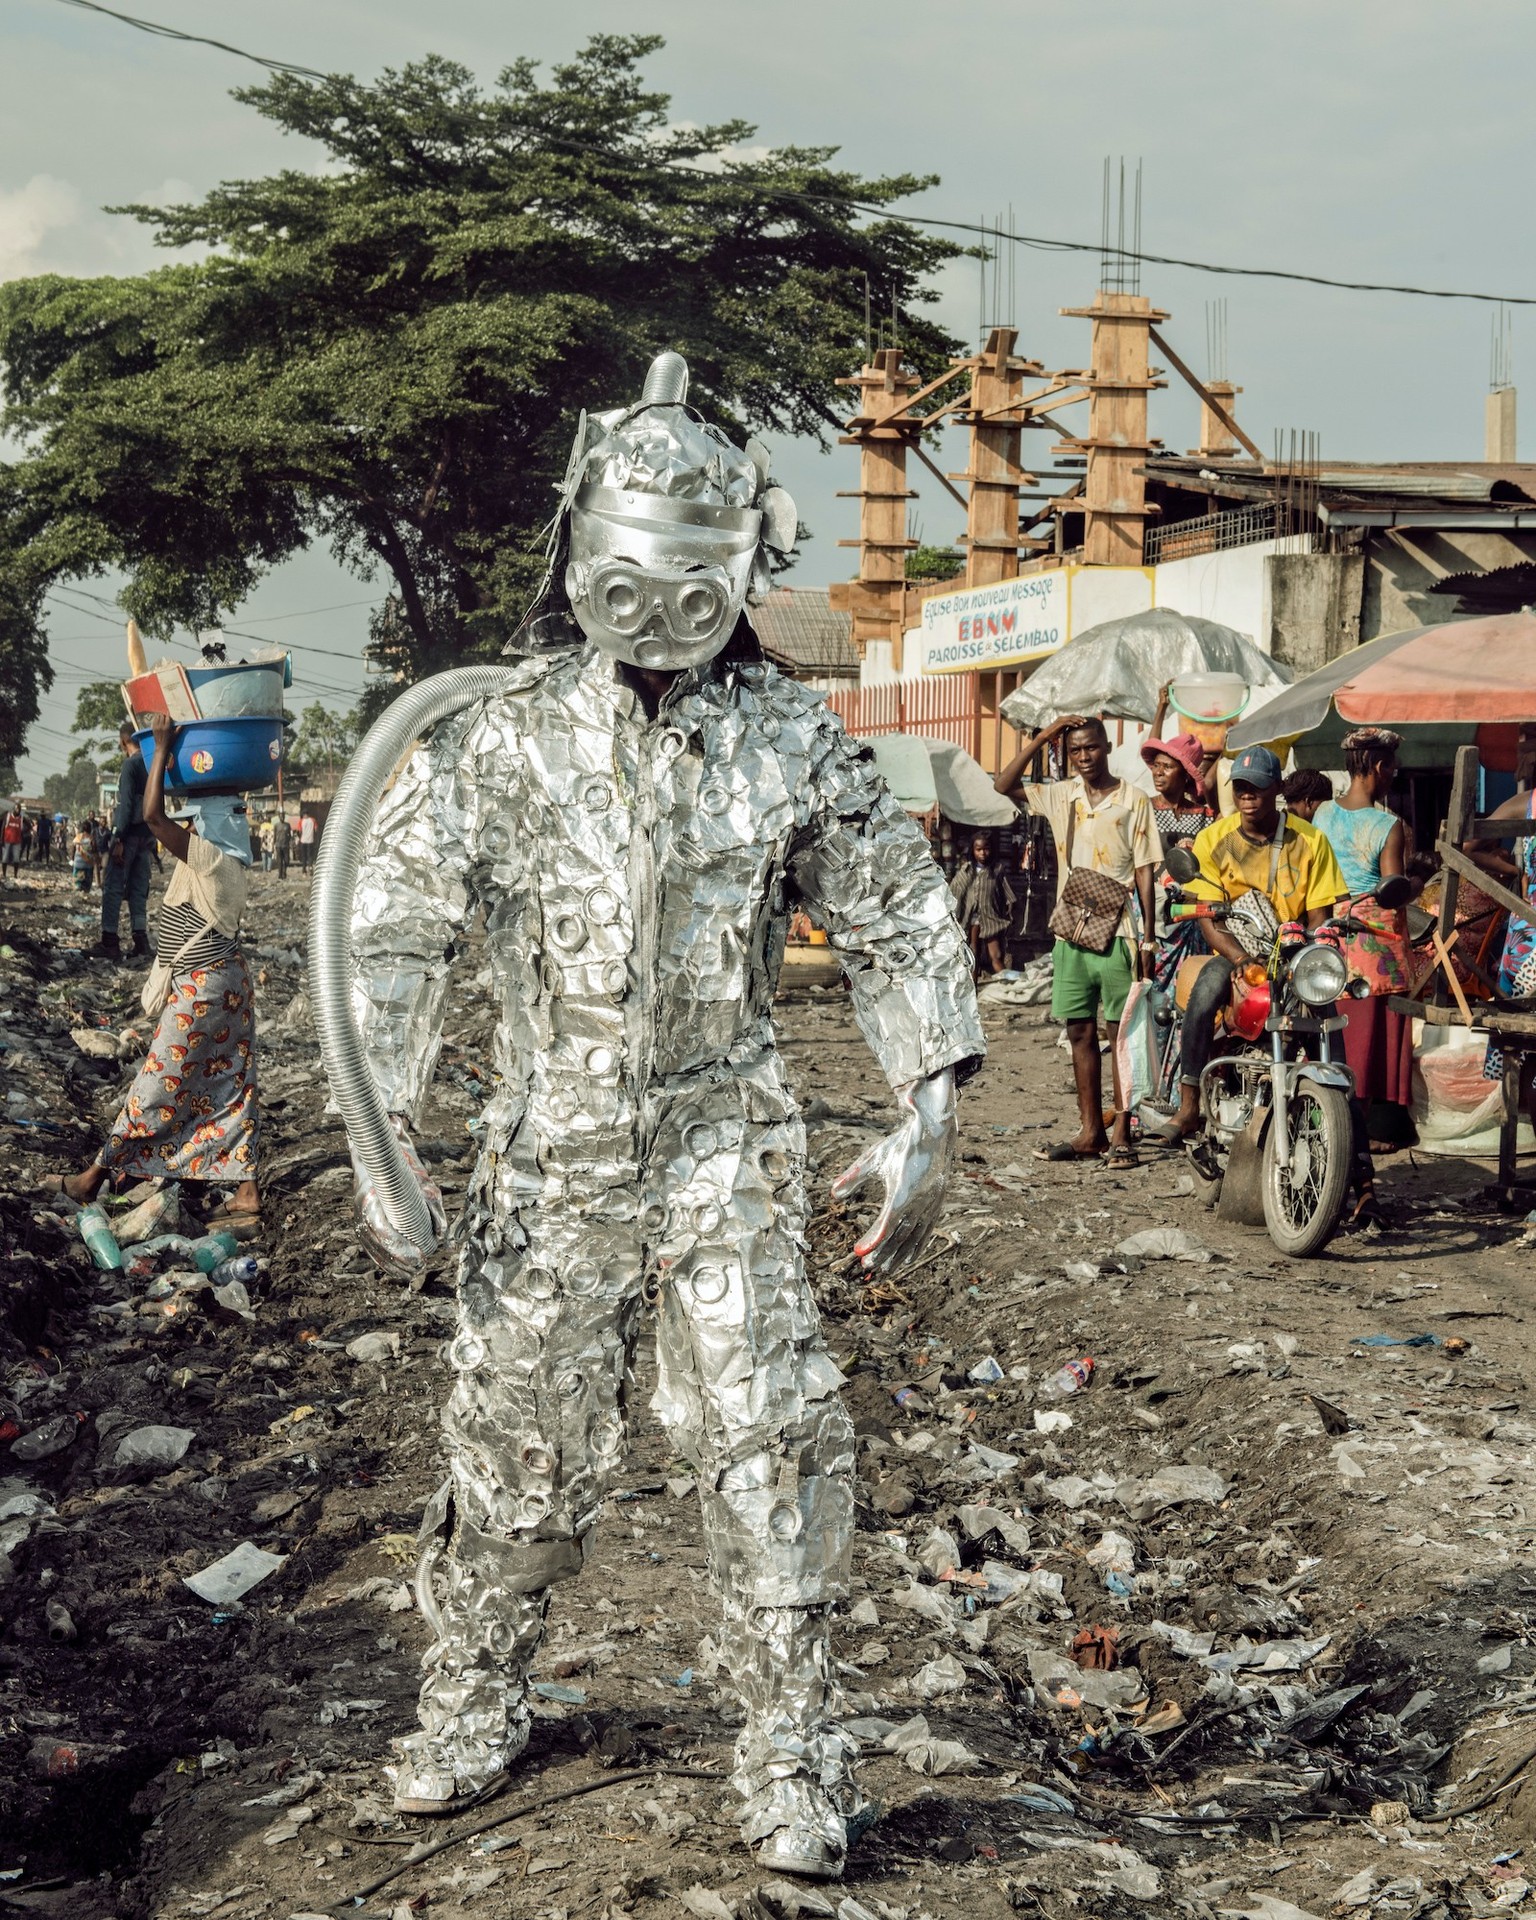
x,y
362,786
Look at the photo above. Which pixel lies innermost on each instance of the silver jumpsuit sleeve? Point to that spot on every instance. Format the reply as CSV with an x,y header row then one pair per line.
x,y
864,871
411,908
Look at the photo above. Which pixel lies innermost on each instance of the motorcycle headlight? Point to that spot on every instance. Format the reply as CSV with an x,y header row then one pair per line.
x,y
1319,976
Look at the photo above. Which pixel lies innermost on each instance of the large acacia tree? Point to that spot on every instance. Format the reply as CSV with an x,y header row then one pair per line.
x,y
387,351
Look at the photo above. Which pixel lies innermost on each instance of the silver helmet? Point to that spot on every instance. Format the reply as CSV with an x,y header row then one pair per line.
x,y
670,526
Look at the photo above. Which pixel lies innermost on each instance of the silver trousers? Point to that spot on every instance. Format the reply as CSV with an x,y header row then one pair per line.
x,y
709,1234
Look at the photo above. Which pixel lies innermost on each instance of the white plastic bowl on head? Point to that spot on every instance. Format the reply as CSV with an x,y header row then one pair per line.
x,y
1209,696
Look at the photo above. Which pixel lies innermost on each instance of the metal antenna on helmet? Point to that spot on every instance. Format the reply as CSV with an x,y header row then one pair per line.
x,y
666,382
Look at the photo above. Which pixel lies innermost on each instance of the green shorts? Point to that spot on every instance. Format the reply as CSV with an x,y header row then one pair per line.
x,y
1085,984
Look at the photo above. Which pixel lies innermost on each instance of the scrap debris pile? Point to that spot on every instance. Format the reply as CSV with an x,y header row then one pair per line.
x,y
1186,1582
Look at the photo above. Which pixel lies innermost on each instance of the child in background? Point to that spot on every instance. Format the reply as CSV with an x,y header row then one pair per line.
x,y
1305,791
83,857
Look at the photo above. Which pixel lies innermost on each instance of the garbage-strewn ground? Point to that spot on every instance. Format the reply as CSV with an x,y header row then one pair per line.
x,y
1316,1619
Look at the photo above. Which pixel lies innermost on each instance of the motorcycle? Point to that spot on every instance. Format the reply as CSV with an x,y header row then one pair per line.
x,y
1278,1140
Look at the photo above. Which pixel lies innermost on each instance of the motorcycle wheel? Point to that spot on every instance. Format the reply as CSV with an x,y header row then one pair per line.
x,y
1302,1202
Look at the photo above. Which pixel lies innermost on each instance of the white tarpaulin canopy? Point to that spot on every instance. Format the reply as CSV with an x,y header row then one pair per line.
x,y
1118,667
923,774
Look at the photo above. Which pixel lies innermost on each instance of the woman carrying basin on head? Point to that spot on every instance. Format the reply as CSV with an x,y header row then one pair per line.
x,y
191,1113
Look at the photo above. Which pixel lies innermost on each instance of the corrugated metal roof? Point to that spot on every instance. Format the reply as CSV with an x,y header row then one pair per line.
x,y
799,630
1471,480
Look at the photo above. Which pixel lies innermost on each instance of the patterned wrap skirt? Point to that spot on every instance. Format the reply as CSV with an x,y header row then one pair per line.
x,y
1378,1042
191,1113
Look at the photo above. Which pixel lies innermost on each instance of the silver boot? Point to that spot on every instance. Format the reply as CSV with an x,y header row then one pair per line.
x,y
474,1701
793,1769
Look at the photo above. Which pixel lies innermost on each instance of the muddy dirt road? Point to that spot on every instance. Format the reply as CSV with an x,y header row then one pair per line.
x,y
1236,1629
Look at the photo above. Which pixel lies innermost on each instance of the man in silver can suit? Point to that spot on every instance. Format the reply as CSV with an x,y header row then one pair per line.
x,y
634,812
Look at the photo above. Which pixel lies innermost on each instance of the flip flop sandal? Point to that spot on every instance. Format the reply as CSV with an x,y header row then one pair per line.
x,y
1122,1159
241,1222
1064,1150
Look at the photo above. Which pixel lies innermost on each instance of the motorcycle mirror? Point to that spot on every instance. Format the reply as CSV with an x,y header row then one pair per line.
x,y
1182,864
1395,891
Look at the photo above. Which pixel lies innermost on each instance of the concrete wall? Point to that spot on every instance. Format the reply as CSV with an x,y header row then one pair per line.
x,y
1402,563
1232,587
1106,593
1314,607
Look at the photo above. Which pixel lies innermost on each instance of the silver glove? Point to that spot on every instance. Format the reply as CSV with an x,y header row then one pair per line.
x,y
914,1164
392,1251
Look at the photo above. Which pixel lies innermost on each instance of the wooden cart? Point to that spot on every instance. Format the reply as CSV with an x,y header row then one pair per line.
x,y
1444,1004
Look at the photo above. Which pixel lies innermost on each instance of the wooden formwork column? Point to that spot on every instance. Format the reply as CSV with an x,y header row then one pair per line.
x,y
1115,493
876,601
1217,440
995,477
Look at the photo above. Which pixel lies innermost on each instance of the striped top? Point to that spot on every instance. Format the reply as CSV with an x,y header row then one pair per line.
x,y
176,925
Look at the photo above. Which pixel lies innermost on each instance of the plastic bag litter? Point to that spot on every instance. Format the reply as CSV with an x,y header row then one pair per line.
x,y
152,1446
1193,1646
1141,1882
936,1677
928,1602
234,1575
939,1553
374,1348
977,1522
925,1752
1268,1656
1265,1906
1171,1487
1112,1554
1164,1243
1040,1799
1060,1682
1031,988
52,1437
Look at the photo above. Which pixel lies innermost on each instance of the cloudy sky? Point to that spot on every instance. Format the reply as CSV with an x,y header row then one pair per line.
x,y
1357,139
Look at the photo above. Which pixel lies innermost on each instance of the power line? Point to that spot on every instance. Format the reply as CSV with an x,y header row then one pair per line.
x,y
196,39
993,233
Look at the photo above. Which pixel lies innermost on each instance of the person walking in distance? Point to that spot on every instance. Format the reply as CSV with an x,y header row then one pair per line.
x,y
282,844
12,835
1107,853
307,837
45,840
129,856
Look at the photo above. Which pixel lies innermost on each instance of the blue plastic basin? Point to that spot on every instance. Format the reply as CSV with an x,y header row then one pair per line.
x,y
221,756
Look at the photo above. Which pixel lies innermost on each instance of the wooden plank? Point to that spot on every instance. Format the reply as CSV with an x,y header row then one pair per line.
x,y
1206,396
1491,829
1517,1027
1418,981
1463,788
938,475
1453,980
1509,1121
1464,865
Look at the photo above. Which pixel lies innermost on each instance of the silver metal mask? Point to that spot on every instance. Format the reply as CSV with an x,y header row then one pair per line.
x,y
670,526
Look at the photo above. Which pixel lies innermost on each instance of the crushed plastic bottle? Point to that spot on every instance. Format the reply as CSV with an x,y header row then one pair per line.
x,y
1072,1378
212,1249
99,1237
205,1253
243,1267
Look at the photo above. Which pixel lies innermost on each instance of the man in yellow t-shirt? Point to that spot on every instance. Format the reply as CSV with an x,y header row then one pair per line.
x,y
1257,849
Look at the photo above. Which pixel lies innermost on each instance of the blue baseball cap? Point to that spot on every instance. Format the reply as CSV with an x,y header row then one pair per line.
x,y
1256,767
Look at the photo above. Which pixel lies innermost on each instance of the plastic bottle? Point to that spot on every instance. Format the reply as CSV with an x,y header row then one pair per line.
x,y
99,1237
1072,1378
243,1267
211,1249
